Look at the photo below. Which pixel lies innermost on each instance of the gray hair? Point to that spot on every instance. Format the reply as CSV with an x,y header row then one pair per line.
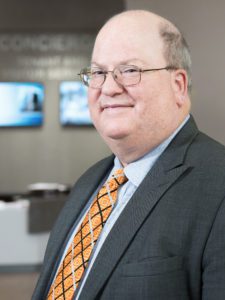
x,y
176,50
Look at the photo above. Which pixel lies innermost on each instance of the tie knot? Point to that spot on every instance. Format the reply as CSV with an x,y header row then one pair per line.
x,y
119,176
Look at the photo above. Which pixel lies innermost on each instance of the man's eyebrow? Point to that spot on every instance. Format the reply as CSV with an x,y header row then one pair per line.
x,y
96,64
132,61
123,62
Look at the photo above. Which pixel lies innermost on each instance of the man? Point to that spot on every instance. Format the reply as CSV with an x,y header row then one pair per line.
x,y
164,235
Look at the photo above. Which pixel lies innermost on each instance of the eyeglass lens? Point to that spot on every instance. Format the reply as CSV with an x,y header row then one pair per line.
x,y
125,75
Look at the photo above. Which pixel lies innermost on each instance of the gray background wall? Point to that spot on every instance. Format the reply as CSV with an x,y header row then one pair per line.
x,y
50,153
57,154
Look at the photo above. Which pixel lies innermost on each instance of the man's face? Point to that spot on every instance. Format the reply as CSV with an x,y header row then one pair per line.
x,y
135,113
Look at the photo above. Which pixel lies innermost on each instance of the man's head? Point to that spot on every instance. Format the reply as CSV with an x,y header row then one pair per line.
x,y
134,117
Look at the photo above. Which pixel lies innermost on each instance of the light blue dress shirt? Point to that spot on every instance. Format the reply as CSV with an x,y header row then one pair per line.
x,y
135,172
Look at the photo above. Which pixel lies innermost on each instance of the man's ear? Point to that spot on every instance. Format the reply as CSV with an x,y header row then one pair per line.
x,y
180,85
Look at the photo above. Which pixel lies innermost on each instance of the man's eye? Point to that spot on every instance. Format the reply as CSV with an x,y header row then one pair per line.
x,y
97,72
130,70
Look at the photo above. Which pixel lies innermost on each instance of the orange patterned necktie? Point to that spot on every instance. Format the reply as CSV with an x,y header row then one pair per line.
x,y
77,257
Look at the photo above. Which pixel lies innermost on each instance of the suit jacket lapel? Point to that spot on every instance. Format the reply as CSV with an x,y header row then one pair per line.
x,y
165,172
80,195
78,198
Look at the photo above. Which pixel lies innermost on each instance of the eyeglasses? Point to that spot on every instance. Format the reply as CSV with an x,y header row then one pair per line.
x,y
125,75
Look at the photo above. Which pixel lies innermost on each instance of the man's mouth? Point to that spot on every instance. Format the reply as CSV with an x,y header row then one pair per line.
x,y
115,106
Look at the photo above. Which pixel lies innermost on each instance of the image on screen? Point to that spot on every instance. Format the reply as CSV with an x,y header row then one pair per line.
x,y
21,104
73,104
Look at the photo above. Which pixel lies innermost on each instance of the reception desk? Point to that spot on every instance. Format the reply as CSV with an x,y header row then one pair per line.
x,y
25,225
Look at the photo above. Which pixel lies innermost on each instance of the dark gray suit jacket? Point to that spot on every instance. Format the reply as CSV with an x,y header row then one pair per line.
x,y
169,242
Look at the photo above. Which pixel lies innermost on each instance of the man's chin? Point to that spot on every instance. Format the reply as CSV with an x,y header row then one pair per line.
x,y
114,134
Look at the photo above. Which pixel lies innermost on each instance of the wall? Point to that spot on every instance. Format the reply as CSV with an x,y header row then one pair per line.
x,y
51,153
202,23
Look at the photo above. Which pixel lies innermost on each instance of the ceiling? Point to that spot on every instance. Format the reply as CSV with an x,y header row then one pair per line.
x,y
56,15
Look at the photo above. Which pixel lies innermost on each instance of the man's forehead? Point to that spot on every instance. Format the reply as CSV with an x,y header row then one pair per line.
x,y
129,32
127,42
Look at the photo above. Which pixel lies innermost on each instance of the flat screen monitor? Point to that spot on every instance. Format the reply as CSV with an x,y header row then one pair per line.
x,y
73,104
21,104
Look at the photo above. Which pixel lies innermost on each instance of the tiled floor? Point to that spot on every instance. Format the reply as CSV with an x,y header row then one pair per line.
x,y
17,286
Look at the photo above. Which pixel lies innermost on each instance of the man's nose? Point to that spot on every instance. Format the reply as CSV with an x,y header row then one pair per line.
x,y
111,86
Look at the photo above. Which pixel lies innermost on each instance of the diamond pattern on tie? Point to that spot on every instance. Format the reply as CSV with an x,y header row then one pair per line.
x,y
78,254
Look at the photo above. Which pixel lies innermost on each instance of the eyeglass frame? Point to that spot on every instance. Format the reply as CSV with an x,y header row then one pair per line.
x,y
105,73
